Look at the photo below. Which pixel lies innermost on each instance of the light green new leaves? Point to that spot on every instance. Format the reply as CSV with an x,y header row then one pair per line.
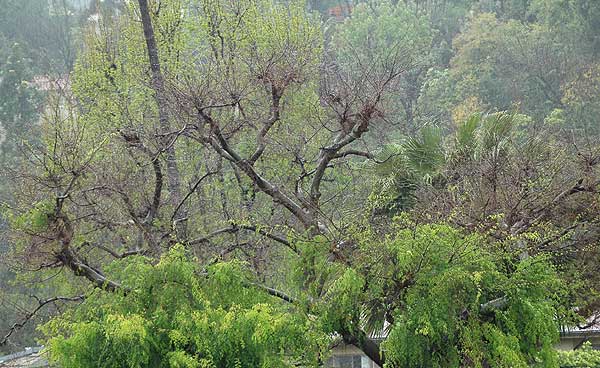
x,y
584,357
441,321
174,316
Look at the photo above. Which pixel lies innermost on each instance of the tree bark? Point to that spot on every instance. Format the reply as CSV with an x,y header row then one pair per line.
x,y
158,85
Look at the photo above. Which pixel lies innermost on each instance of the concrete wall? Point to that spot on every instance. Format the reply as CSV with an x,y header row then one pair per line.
x,y
348,356
571,342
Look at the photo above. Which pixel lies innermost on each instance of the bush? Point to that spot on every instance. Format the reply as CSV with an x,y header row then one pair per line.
x,y
584,357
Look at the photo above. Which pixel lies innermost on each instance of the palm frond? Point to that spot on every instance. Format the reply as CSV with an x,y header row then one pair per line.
x,y
494,134
466,137
425,154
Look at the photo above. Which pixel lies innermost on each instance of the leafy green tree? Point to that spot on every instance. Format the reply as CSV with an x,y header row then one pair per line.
x,y
376,31
575,20
170,315
509,64
581,103
439,320
45,29
19,101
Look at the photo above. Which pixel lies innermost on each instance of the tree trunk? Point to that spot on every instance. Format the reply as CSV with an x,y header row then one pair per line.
x,y
173,177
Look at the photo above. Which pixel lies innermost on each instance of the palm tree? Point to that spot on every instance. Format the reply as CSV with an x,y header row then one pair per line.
x,y
427,159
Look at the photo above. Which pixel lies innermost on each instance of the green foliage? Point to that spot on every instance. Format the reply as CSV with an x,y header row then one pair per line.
x,y
45,29
482,69
173,316
415,162
340,309
584,357
441,321
466,134
536,66
379,27
574,20
36,219
312,267
582,104
430,282
19,100
369,43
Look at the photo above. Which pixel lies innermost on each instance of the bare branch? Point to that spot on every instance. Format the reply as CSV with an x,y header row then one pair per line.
x,y
355,153
236,228
41,303
275,115
120,255
209,173
134,141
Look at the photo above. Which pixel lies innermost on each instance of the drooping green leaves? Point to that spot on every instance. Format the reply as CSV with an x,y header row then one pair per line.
x,y
175,316
442,320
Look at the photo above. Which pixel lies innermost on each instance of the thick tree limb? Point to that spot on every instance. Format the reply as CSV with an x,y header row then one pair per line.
x,y
80,268
70,260
326,155
277,195
158,182
276,293
221,145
